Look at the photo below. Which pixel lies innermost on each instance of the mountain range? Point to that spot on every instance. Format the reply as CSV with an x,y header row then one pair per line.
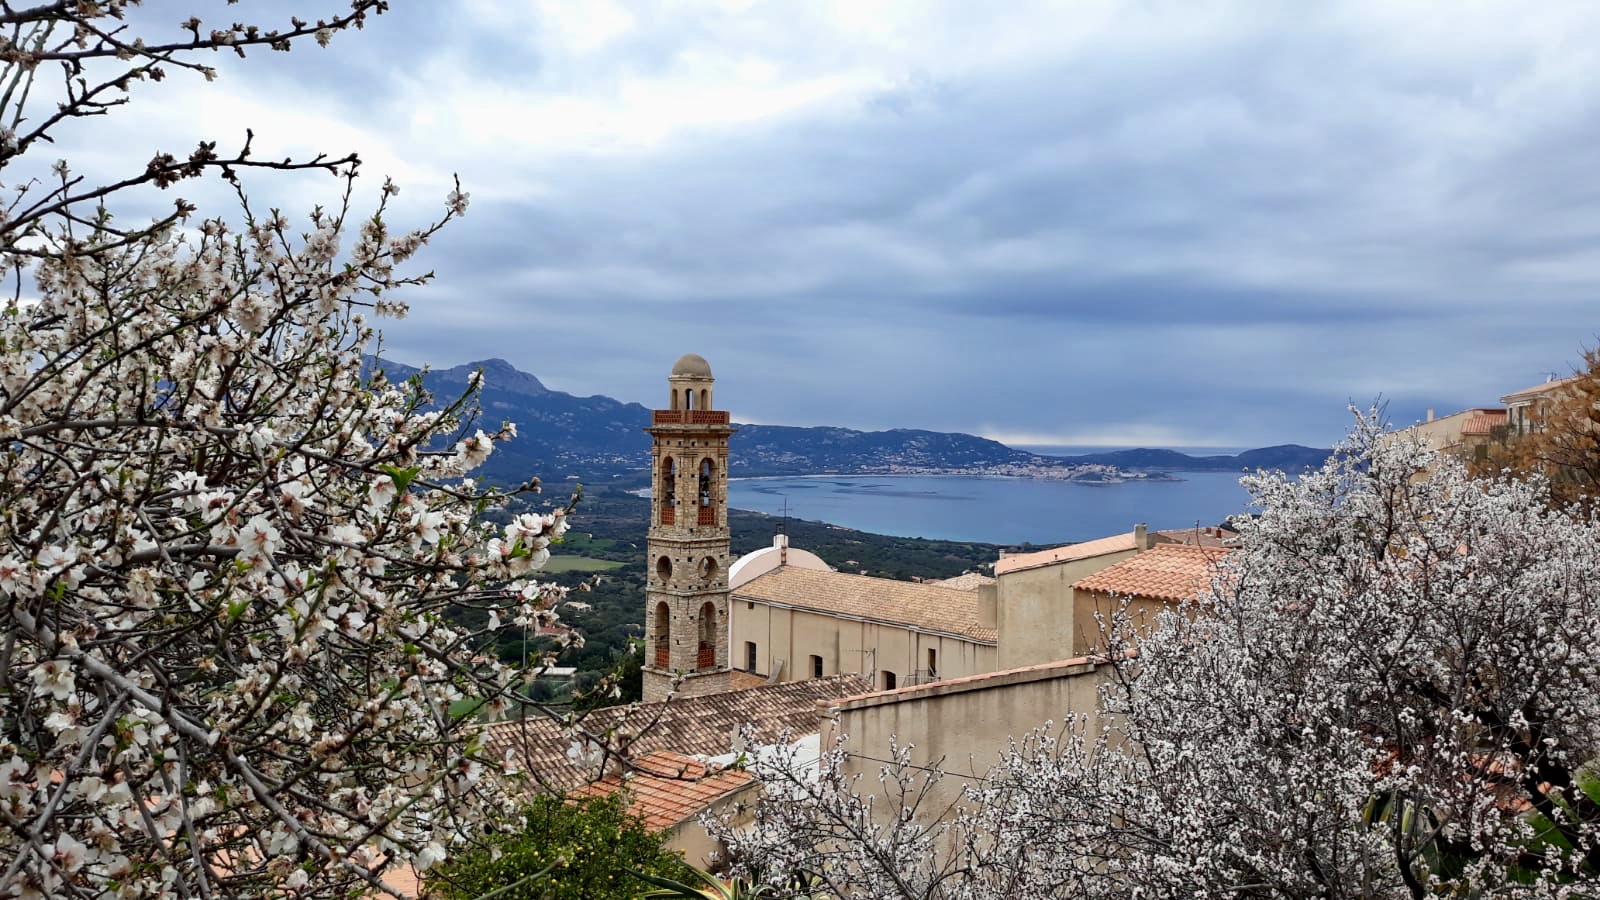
x,y
599,439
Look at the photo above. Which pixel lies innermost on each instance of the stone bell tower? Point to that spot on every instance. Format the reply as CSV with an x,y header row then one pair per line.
x,y
686,596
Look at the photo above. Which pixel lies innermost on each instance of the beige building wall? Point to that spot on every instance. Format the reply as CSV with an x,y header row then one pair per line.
x,y
1088,637
785,640
1037,618
966,722
700,849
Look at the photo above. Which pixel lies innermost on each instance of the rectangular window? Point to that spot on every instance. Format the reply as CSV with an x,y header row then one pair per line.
x,y
888,680
816,667
749,656
933,664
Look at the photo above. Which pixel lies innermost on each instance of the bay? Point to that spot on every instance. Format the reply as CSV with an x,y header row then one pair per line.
x,y
994,510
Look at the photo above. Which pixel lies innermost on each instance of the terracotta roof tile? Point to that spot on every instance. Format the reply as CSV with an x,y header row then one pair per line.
x,y
970,581
1484,422
923,606
701,725
667,789
1113,544
1164,572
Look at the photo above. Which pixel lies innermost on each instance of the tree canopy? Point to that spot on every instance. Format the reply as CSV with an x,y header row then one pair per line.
x,y
225,547
1391,689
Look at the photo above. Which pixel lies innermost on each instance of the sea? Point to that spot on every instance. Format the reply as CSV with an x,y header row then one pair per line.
x,y
1000,510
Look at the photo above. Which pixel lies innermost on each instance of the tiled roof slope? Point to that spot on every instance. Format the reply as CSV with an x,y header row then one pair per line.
x,y
922,606
1484,422
666,788
701,725
1113,544
1164,572
970,581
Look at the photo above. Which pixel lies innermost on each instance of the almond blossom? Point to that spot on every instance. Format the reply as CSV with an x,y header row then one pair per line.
x,y
229,544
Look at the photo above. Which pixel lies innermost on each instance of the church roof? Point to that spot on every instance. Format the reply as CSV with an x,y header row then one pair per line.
x,y
705,725
925,607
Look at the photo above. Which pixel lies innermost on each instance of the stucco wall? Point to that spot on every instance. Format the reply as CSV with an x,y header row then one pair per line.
x,y
966,722
1087,634
847,645
1036,615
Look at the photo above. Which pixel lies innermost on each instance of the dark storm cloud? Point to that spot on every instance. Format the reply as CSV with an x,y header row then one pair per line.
x,y
1215,222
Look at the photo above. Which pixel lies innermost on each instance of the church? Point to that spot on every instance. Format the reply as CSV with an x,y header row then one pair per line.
x,y
781,614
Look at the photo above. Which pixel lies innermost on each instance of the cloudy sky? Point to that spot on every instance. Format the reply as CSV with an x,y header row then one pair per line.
x,y
1142,222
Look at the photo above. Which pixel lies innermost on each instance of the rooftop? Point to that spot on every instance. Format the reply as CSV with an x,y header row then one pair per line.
x,y
1483,421
925,607
1164,572
704,725
1062,668
1098,547
666,789
970,581
1536,390
1207,536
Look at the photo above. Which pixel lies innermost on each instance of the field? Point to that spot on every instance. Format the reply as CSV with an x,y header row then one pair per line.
x,y
580,564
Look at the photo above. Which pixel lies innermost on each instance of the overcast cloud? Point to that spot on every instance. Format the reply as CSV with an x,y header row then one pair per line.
x,y
1152,222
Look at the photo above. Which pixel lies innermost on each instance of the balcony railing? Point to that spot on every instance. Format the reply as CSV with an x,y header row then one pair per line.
x,y
689,417
669,515
708,515
663,658
707,657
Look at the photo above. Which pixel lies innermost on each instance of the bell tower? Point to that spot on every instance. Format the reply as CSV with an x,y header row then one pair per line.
x,y
686,594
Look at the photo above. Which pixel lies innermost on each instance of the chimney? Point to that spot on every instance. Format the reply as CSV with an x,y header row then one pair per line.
x,y
1430,414
1141,538
781,541
988,605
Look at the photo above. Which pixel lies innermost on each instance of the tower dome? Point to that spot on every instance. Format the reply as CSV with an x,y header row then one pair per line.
x,y
692,365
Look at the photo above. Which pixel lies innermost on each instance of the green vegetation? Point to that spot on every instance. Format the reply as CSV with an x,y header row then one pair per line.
x,y
580,850
569,563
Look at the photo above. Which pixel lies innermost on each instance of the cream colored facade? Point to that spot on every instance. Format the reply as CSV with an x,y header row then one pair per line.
x,y
1038,619
966,722
790,643
792,624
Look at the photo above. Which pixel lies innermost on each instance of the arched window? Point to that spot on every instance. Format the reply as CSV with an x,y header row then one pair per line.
x,y
663,636
705,398
688,398
708,513
669,491
664,568
706,658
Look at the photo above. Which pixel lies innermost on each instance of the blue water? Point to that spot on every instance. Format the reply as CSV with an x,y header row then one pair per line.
x,y
996,510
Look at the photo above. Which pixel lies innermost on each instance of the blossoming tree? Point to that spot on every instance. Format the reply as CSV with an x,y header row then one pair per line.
x,y
225,548
1392,689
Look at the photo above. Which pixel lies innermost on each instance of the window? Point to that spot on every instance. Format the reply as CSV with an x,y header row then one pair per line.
x,y
706,653
933,664
816,667
749,656
888,680
663,636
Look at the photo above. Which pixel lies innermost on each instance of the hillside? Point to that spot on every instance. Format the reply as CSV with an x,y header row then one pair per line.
x,y
601,440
